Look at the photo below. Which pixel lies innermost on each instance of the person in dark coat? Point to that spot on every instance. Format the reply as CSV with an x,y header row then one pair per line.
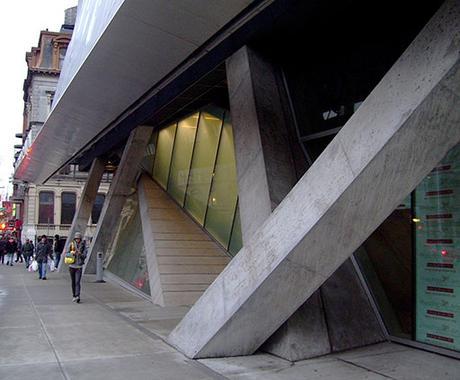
x,y
11,249
2,248
58,246
28,251
43,253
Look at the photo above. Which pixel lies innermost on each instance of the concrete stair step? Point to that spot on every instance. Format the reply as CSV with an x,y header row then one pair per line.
x,y
187,278
190,268
194,260
194,252
181,298
184,287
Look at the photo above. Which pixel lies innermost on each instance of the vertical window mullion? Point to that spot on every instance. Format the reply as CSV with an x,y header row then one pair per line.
x,y
193,154
233,224
172,156
214,168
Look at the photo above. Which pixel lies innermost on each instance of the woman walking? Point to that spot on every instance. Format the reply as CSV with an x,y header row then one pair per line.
x,y
76,259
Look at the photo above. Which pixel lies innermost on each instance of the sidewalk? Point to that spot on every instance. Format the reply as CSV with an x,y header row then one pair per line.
x,y
114,334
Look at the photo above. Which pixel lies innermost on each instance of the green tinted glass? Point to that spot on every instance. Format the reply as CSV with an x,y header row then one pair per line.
x,y
204,158
163,155
182,155
224,192
128,260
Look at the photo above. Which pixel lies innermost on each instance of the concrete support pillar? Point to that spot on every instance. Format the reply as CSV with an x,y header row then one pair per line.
x,y
83,213
119,189
264,162
402,130
266,173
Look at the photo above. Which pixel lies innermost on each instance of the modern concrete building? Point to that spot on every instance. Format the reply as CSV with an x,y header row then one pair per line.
x,y
289,168
48,209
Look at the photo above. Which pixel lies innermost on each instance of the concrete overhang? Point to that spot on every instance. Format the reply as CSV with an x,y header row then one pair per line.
x,y
120,49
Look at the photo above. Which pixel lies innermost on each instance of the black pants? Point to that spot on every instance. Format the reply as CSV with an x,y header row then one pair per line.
x,y
75,275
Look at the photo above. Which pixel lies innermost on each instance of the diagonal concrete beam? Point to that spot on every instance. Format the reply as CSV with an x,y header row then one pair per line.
x,y
401,131
81,217
120,188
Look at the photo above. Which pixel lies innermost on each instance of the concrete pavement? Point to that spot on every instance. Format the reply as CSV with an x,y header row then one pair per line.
x,y
115,334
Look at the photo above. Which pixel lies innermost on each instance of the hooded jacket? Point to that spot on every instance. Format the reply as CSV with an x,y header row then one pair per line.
x,y
43,251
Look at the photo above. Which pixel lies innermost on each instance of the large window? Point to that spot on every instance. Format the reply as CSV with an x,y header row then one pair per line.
x,y
68,205
182,155
46,207
97,208
411,261
195,164
128,260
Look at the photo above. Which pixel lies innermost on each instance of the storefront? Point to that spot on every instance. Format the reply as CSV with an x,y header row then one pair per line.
x,y
411,262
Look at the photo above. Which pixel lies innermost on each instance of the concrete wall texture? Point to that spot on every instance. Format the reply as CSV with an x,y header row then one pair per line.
x,y
266,174
404,127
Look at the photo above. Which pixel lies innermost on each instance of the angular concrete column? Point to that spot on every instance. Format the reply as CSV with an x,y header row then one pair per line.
x,y
88,196
401,131
264,161
120,187
265,166
266,174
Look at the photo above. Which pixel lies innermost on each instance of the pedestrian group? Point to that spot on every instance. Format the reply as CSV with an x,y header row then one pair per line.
x,y
46,256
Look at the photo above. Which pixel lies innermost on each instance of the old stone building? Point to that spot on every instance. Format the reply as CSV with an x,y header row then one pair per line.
x,y
48,209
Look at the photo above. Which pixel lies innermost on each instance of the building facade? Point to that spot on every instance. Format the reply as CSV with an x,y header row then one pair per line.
x,y
302,203
48,209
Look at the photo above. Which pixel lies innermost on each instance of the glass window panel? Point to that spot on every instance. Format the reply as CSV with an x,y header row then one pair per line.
x,y
97,208
46,207
411,263
68,204
204,158
163,155
386,259
437,258
128,259
182,155
236,241
224,192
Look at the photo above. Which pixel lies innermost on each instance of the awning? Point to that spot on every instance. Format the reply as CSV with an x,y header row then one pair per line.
x,y
119,50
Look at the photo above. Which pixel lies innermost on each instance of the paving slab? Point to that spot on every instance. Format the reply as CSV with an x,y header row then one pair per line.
x,y
19,345
265,366
411,365
161,327
36,371
165,366
75,314
41,338
372,350
103,341
14,315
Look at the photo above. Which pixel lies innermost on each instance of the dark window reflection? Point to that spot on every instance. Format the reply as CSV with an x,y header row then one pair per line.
x,y
68,205
97,208
386,258
46,207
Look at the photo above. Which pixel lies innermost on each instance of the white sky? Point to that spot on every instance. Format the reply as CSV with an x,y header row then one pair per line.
x,y
20,24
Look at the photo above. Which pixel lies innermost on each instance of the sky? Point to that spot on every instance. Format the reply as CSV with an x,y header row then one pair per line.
x,y
20,23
